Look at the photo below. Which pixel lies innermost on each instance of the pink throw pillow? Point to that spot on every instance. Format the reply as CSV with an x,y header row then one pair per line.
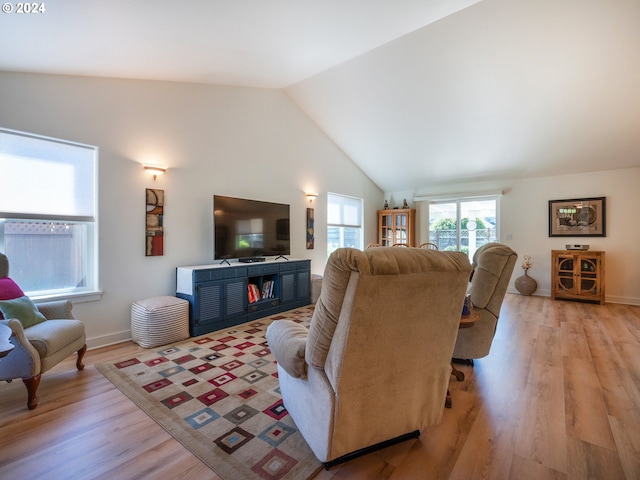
x,y
9,290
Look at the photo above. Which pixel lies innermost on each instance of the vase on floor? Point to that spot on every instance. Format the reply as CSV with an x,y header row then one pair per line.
x,y
525,284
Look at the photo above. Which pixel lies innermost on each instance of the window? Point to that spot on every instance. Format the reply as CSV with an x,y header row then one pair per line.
x,y
463,224
344,222
48,214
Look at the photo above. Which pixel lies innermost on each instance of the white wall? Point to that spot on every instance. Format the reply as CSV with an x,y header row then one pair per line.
x,y
244,142
524,216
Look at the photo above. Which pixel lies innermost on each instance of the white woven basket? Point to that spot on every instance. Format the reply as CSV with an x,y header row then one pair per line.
x,y
159,321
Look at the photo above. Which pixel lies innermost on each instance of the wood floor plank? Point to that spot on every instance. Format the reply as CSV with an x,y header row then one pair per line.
x,y
615,374
436,453
526,469
541,434
573,341
585,411
558,397
631,318
548,349
591,461
627,438
488,451
145,465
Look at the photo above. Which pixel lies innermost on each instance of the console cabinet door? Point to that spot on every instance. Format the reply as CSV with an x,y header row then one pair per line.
x,y
303,285
209,301
295,287
287,287
565,281
218,301
235,292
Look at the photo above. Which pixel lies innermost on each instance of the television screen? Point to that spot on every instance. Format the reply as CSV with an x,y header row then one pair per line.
x,y
249,228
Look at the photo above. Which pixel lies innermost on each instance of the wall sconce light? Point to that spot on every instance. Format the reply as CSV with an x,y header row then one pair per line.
x,y
154,170
311,196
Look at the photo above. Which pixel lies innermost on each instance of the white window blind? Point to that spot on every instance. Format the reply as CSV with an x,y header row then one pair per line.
x,y
344,211
344,222
46,178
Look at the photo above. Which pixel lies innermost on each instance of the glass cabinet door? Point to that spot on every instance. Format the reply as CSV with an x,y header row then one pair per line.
x,y
588,275
400,234
566,274
386,230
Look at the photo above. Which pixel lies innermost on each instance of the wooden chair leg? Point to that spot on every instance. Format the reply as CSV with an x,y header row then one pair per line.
x,y
81,352
457,373
32,387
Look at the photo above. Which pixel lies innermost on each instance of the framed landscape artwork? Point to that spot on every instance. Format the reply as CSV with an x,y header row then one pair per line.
x,y
578,217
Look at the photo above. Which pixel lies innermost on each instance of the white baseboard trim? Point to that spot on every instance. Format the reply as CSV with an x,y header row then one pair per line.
x,y
622,300
106,340
608,298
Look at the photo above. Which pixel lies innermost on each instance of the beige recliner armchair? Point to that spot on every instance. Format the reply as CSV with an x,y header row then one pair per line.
x,y
43,345
492,268
374,366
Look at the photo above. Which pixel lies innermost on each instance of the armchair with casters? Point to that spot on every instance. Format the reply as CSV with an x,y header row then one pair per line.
x,y
39,347
493,265
374,365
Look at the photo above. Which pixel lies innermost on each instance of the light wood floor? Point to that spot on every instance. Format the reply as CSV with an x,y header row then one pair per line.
x,y
558,397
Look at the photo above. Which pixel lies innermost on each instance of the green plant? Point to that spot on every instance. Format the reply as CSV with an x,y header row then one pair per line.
x,y
450,224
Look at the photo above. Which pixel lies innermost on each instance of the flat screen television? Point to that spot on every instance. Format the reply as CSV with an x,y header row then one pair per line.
x,y
249,228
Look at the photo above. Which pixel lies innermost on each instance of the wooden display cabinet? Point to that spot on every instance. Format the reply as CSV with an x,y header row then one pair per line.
x,y
577,275
396,226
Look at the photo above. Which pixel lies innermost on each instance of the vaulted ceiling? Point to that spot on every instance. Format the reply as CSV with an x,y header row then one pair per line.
x,y
417,92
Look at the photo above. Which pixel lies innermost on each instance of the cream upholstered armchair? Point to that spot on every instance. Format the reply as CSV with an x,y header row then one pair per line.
x,y
493,265
43,336
374,366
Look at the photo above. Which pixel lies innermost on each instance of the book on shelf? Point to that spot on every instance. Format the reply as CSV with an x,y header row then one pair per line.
x,y
253,292
267,289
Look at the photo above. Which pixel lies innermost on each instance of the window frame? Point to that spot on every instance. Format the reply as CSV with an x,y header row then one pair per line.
x,y
458,201
84,215
342,224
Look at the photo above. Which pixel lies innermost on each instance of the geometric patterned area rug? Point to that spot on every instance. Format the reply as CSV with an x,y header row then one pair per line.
x,y
218,395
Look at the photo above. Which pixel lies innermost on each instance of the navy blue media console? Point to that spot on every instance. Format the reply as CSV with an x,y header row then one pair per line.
x,y
224,295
